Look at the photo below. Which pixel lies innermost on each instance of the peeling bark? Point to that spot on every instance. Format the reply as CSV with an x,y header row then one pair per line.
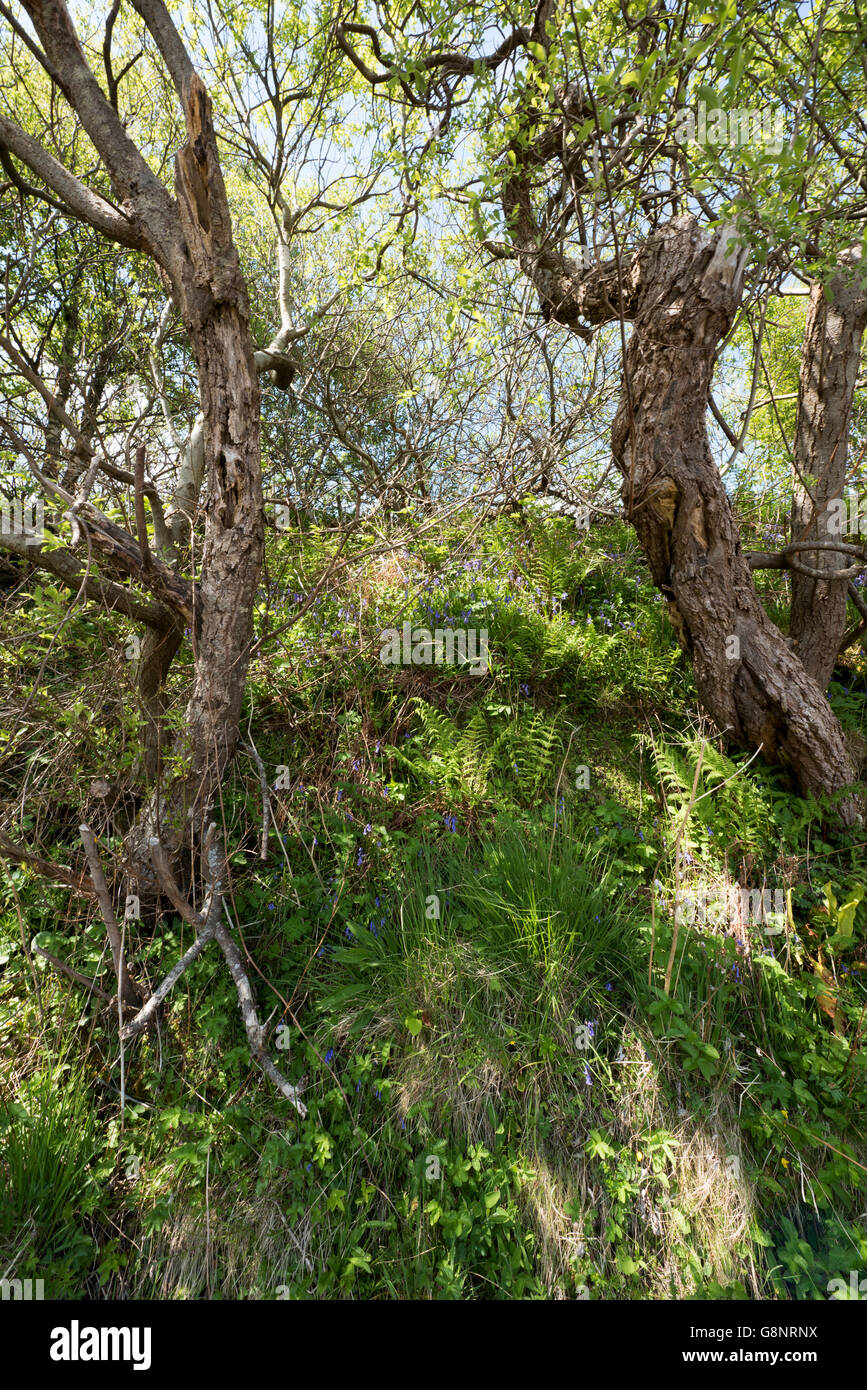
x,y
190,237
213,302
216,312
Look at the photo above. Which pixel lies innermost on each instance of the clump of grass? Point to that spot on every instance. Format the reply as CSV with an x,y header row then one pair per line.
x,y
48,1140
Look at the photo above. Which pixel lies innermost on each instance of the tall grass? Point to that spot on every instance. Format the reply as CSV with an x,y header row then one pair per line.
x,y
48,1140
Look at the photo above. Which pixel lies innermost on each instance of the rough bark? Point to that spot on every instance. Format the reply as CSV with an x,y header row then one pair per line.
x,y
681,292
190,236
685,289
215,310
836,319
212,298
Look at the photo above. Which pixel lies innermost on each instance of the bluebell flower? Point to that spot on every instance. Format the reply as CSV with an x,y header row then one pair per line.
x,y
329,1054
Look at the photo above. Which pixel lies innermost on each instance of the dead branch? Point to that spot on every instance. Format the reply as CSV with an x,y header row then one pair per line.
x,y
129,991
57,872
73,974
208,924
266,803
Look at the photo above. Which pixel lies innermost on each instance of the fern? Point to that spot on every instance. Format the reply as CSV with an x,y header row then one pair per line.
x,y
529,747
522,751
730,804
459,760
551,559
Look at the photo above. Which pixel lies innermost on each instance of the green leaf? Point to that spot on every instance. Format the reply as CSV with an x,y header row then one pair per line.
x,y
846,914
50,941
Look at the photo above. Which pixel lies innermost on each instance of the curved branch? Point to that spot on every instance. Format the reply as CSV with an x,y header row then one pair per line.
x,y
76,199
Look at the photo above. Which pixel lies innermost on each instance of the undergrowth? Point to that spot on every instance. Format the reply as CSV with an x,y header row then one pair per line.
x,y
530,1073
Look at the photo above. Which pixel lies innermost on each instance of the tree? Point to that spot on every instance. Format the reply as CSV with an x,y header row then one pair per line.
x,y
189,237
586,123
830,362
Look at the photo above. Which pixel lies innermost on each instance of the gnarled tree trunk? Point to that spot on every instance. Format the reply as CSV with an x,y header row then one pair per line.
x,y
836,319
190,238
213,302
684,289
681,291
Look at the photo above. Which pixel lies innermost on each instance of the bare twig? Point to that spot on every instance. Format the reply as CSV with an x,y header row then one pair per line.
x,y
128,991
74,974
140,521
266,802
208,924
159,859
146,1014
47,868
255,1031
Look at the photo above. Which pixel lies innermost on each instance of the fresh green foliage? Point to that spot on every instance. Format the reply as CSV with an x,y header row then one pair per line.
x,y
460,872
